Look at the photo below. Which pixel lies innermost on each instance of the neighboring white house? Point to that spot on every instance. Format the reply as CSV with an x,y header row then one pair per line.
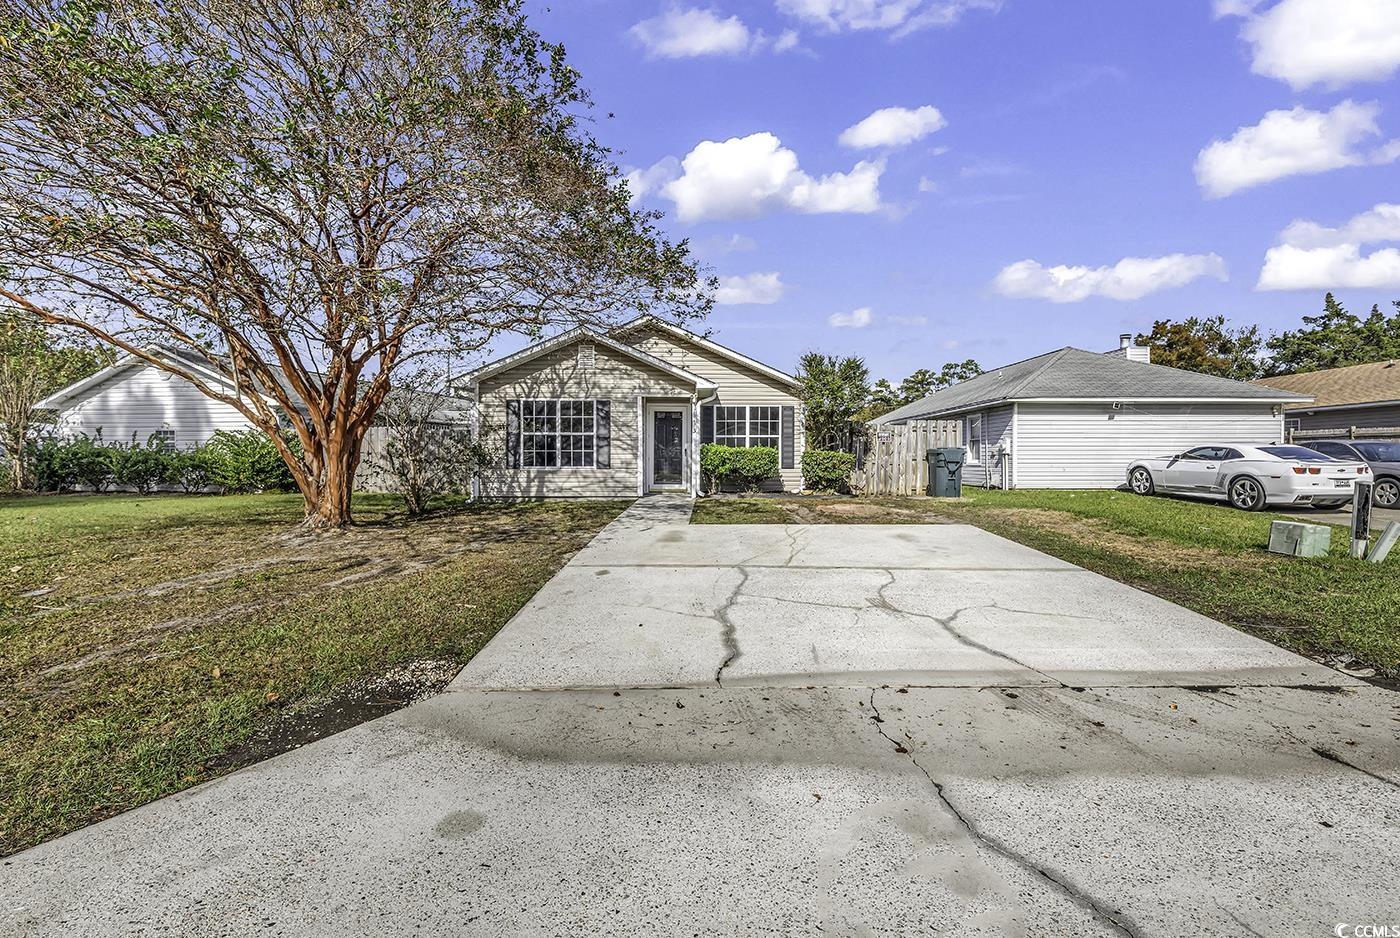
x,y
622,413
133,399
1075,419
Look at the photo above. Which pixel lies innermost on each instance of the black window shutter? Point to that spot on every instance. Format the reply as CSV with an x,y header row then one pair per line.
x,y
513,434
707,423
602,434
787,445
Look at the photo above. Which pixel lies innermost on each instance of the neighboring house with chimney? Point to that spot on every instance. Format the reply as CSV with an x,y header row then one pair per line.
x,y
1355,401
1075,419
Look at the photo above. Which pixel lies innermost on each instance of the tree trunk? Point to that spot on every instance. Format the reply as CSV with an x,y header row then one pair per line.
x,y
328,497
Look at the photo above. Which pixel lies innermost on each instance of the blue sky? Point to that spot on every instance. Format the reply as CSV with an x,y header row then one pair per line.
x,y
1215,142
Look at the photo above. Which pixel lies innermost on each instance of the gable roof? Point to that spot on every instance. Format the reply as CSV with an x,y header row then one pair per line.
x,y
184,357
1071,374
1374,383
569,337
649,321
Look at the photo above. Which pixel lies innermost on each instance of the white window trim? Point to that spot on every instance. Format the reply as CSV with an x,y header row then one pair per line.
x,y
559,434
974,459
748,436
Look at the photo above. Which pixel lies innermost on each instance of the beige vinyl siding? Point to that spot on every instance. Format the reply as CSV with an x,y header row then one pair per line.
x,y
1089,445
996,429
141,399
557,374
738,384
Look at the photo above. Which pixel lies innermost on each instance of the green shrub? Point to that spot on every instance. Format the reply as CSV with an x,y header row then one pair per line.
x,y
88,461
744,468
142,467
825,470
49,465
246,461
188,469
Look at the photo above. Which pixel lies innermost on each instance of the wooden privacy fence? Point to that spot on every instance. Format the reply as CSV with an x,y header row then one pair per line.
x,y
1296,435
895,464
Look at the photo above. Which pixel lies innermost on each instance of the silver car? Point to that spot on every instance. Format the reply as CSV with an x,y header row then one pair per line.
x,y
1383,456
1250,476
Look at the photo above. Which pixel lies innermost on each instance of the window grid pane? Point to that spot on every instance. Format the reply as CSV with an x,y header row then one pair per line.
x,y
765,425
731,426
557,434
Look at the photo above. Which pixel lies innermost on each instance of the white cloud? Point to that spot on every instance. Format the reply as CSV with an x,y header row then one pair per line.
x,y
719,246
1381,223
898,16
786,41
893,127
1291,143
643,182
757,288
746,176
1130,279
1314,257
1320,42
927,185
682,33
855,319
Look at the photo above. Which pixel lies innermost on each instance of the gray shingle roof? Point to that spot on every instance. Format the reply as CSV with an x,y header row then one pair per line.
x,y
1075,373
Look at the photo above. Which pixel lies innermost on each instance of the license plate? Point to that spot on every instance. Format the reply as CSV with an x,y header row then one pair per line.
x,y
1342,483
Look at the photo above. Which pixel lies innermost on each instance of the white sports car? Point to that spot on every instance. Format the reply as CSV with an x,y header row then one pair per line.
x,y
1251,477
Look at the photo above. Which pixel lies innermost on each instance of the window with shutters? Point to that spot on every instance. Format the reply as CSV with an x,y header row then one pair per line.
x,y
558,434
748,425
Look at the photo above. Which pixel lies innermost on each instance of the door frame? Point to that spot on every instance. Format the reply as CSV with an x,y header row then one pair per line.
x,y
649,447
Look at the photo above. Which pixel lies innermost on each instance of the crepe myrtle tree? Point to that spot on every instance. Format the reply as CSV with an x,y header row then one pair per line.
x,y
309,195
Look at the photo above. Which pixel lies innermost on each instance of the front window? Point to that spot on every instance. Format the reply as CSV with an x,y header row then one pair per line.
x,y
974,439
165,439
1298,453
746,426
555,434
1379,452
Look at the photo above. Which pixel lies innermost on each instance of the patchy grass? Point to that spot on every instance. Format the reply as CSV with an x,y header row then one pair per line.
x,y
1207,557
145,640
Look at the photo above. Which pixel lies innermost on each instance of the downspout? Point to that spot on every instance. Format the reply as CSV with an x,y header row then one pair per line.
x,y
476,438
698,435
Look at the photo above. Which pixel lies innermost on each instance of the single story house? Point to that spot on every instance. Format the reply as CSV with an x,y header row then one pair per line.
x,y
1355,401
132,399
1075,419
593,413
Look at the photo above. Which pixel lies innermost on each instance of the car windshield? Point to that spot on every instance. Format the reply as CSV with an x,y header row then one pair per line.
x,y
1300,453
1379,452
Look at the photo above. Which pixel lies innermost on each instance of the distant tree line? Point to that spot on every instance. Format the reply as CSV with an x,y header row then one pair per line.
x,y
839,398
1332,339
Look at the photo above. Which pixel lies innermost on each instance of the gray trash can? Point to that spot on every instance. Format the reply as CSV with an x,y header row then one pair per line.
x,y
945,472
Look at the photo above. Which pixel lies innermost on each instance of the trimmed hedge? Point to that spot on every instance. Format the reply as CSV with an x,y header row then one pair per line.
x,y
825,470
744,468
245,461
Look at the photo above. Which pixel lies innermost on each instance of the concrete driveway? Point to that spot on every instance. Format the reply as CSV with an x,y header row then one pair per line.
x,y
841,730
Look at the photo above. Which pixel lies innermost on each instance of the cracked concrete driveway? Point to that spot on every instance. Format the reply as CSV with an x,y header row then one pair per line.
x,y
743,730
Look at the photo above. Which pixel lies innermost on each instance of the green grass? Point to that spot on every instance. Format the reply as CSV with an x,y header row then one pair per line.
x,y
173,628
1207,557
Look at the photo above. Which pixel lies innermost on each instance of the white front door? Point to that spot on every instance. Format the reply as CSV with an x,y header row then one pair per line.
x,y
666,446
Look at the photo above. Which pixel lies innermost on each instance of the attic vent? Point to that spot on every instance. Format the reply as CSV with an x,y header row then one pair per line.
x,y
586,355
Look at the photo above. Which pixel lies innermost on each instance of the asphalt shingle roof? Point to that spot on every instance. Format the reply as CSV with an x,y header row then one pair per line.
x,y
1354,384
1075,373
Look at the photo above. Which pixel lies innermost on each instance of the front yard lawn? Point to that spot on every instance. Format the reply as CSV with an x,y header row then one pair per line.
x,y
1207,557
147,644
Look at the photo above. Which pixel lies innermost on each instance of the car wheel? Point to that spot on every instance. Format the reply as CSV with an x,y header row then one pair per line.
x,y
1387,493
1247,494
1140,481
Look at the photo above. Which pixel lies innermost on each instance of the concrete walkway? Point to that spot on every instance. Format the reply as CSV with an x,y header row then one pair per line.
x,y
745,730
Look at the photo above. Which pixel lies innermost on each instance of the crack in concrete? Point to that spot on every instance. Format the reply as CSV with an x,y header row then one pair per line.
x,y
883,601
1331,756
728,634
1115,920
